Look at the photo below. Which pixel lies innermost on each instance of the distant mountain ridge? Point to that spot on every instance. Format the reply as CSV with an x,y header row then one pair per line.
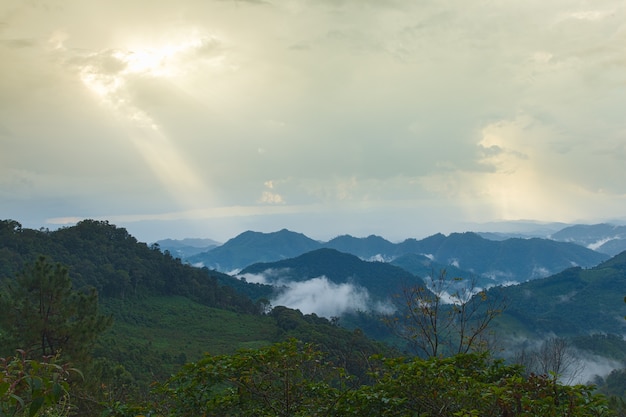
x,y
501,261
573,302
424,266
367,248
252,247
576,301
512,259
604,238
185,248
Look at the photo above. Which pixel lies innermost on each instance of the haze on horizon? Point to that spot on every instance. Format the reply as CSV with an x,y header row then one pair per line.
x,y
208,118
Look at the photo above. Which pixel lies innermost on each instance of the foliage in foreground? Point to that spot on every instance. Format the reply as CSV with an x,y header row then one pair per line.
x,y
34,388
294,379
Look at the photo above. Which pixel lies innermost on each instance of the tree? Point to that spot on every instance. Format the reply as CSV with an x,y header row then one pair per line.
x,y
293,379
10,226
555,357
287,379
43,315
450,316
468,385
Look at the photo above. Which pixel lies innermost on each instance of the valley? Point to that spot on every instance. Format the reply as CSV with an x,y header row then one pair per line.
x,y
169,310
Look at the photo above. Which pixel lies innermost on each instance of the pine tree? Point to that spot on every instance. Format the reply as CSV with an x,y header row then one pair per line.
x,y
43,315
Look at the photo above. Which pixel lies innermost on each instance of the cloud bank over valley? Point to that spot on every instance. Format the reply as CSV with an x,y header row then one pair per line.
x,y
319,295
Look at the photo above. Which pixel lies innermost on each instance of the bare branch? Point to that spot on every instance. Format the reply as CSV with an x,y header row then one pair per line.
x,y
446,316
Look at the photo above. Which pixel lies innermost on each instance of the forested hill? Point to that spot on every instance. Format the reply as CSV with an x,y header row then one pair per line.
x,y
108,258
574,302
165,312
381,279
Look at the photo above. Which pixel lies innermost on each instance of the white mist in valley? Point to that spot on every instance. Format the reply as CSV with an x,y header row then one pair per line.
x,y
318,295
323,297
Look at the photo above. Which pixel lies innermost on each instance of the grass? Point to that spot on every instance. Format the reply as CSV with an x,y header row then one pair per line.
x,y
176,324
156,335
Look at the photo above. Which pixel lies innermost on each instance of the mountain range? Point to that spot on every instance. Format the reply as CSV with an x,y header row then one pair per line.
x,y
574,301
184,248
582,298
604,238
494,262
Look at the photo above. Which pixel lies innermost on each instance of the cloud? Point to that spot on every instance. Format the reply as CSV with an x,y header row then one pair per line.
x,y
579,366
18,43
269,196
594,365
595,245
323,297
316,295
253,278
590,15
374,107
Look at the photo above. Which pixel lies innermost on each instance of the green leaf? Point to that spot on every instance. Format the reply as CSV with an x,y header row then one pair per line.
x,y
35,406
57,392
4,387
78,371
18,399
35,384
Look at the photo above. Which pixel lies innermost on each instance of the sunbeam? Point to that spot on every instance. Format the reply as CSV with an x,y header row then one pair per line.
x,y
107,73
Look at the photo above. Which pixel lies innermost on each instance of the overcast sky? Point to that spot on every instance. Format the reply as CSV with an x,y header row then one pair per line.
x,y
199,118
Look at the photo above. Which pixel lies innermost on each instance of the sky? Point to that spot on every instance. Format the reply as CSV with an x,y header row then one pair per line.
x,y
207,118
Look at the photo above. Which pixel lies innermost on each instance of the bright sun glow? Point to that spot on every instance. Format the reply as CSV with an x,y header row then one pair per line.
x,y
106,72
156,62
108,75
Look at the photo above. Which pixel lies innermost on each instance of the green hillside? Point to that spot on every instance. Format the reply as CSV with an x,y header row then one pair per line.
x,y
381,279
574,302
423,266
165,313
109,259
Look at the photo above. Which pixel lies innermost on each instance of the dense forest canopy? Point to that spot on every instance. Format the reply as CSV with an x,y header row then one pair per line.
x,y
107,258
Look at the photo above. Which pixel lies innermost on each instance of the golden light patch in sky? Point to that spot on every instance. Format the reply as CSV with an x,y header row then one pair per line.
x,y
518,184
425,106
107,74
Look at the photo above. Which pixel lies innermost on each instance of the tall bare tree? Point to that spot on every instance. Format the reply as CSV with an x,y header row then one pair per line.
x,y
554,356
446,316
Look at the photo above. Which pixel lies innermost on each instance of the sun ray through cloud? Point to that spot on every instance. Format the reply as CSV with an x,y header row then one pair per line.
x,y
107,73
387,117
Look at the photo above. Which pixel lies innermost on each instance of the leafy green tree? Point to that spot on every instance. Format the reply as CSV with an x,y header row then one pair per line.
x,y
43,315
468,385
294,379
288,379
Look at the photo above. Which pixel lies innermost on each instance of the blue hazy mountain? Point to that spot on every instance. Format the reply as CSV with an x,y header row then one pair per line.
x,y
495,262
252,247
184,248
603,237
